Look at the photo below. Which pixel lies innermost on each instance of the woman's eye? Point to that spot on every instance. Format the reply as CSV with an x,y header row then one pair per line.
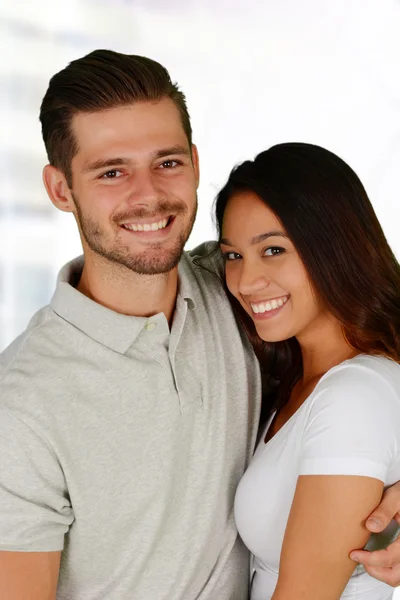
x,y
231,256
274,251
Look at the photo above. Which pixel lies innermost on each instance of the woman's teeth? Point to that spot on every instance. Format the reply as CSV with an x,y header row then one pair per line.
x,y
262,307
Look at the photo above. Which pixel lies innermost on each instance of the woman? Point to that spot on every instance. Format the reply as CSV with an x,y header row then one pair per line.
x,y
313,279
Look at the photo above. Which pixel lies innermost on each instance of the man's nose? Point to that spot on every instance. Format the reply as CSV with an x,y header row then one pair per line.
x,y
144,189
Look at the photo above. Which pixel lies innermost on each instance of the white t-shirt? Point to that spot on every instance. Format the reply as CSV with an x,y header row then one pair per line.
x,y
349,425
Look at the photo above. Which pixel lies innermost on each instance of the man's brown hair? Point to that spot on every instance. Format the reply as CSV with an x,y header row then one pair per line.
x,y
100,80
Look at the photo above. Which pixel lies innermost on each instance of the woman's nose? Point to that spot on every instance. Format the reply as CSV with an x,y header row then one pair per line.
x,y
252,280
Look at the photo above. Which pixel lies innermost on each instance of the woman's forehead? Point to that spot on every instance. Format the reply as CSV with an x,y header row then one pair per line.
x,y
246,210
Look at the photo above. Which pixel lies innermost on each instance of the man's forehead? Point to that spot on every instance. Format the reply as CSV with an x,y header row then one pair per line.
x,y
137,128
139,115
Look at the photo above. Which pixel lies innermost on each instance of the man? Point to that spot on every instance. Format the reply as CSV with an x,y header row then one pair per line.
x,y
129,406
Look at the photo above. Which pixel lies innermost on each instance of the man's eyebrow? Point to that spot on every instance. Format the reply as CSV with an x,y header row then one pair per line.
x,y
258,238
172,150
105,164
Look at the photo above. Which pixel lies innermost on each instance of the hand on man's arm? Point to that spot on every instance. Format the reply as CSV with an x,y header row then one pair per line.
x,y
29,575
383,564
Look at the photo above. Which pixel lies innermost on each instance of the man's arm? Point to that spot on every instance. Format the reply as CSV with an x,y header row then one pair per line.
x,y
383,564
35,512
29,575
326,520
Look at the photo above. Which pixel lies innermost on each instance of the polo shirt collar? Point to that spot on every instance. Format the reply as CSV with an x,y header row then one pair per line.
x,y
185,283
111,329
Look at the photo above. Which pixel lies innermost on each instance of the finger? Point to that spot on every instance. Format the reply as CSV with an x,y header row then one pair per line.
x,y
386,511
387,575
378,559
376,523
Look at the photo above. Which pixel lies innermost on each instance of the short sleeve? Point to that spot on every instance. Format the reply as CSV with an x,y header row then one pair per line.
x,y
353,426
35,512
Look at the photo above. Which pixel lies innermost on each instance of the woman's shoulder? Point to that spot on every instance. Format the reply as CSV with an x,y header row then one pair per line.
x,y
351,426
364,374
363,392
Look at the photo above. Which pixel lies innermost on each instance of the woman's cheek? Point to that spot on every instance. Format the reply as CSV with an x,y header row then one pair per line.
x,y
230,280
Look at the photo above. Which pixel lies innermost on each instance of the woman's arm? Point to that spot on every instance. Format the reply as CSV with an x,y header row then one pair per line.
x,y
326,521
383,564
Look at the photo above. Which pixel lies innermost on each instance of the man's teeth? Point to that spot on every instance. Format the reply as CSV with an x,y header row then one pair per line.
x,y
147,226
262,307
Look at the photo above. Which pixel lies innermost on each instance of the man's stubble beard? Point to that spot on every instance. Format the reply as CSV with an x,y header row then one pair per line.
x,y
149,262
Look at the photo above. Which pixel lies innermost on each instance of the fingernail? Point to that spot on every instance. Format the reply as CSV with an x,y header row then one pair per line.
x,y
354,557
373,522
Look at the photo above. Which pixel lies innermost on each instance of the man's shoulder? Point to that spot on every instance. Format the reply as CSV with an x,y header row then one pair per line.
x,y
32,353
208,257
34,369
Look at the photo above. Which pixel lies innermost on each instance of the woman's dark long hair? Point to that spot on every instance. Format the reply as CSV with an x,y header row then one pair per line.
x,y
326,212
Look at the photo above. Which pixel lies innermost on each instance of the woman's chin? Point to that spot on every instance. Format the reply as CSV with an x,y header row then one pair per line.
x,y
271,336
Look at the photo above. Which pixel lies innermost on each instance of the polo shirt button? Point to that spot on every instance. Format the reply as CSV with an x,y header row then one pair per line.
x,y
150,326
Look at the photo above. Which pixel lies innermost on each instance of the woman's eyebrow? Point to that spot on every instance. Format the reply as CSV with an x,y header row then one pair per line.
x,y
258,238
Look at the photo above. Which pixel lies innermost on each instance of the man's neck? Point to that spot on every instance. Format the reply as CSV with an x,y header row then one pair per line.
x,y
127,292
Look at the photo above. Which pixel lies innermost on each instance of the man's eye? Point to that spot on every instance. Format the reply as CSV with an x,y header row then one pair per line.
x,y
274,251
169,164
113,174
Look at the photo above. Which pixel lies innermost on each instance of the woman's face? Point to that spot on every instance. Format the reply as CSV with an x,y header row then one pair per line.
x,y
265,273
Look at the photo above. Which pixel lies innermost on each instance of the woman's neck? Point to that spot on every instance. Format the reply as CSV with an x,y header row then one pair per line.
x,y
323,349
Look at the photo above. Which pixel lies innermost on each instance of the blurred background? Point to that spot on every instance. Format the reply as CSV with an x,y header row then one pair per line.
x,y
255,73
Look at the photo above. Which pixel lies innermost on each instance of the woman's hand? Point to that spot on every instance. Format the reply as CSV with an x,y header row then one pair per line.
x,y
383,564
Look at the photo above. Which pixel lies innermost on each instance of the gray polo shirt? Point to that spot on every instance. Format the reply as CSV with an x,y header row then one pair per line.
x,y
122,443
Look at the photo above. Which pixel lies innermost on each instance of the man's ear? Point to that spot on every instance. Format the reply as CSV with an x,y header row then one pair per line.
x,y
57,188
196,165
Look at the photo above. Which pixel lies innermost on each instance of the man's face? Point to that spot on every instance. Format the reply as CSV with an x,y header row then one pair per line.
x,y
134,185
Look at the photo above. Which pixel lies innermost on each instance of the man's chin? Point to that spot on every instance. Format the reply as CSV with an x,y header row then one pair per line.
x,y
149,263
